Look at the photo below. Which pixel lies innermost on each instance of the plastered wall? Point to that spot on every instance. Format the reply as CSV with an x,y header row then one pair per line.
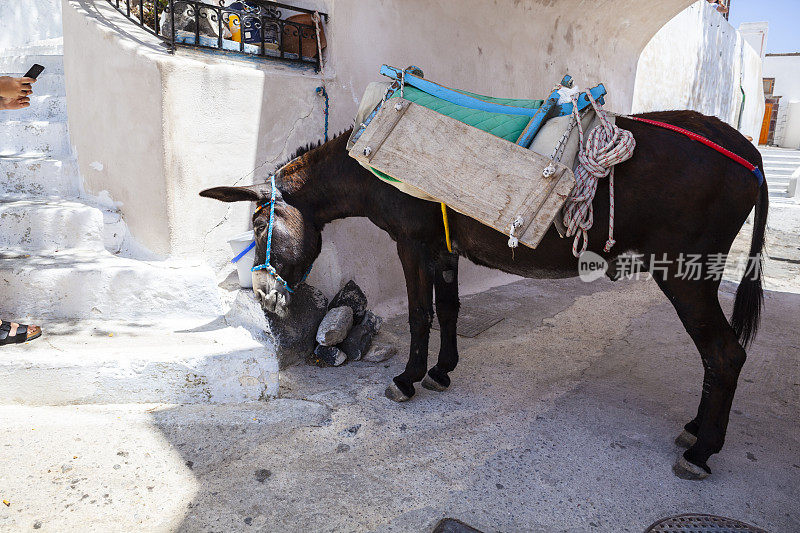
x,y
163,126
699,61
27,21
785,68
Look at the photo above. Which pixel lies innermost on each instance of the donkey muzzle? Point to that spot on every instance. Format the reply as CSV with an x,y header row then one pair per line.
x,y
272,295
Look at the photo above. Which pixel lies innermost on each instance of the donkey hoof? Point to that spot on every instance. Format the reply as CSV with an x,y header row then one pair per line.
x,y
431,384
686,470
685,439
394,393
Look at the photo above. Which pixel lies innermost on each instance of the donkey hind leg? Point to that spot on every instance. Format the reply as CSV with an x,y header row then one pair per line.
x,y
723,357
418,269
445,284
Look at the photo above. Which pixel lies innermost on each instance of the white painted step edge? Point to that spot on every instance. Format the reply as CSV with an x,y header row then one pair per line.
x,y
116,363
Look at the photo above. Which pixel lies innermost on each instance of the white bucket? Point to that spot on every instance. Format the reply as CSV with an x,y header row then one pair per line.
x,y
243,265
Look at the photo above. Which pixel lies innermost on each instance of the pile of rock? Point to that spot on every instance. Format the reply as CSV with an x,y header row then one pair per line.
x,y
348,329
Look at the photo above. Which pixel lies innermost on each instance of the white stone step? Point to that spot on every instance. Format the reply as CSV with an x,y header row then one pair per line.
x,y
43,108
18,63
44,224
781,166
80,284
48,84
788,158
36,173
18,137
51,46
778,191
781,162
791,157
109,362
778,172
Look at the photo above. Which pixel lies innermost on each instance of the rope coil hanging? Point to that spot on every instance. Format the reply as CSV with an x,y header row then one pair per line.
x,y
605,146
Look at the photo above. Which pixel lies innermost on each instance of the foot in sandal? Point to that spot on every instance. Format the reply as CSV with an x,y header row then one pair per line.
x,y
13,333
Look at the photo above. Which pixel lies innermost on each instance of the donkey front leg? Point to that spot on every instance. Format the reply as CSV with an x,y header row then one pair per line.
x,y
445,284
418,269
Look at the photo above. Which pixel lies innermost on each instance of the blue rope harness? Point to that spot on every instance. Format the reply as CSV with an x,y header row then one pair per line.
x,y
266,266
323,92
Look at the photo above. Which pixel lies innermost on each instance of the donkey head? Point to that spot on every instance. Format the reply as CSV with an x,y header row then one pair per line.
x,y
296,242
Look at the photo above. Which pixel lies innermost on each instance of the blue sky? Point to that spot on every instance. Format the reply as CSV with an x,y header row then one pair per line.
x,y
783,17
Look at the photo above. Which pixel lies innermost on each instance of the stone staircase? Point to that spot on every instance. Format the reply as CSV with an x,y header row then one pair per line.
x,y
64,254
119,324
779,164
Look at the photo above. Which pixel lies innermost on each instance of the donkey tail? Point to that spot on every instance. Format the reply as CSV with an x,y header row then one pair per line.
x,y
750,294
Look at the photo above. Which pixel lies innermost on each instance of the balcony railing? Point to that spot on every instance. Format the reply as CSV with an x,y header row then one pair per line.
x,y
252,27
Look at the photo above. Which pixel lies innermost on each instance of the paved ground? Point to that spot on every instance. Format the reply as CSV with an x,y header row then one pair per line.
x,y
560,418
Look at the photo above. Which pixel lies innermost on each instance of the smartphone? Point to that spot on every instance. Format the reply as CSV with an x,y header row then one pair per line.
x,y
34,71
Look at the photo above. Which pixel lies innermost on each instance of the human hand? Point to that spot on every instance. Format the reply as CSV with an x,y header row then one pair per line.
x,y
15,87
11,104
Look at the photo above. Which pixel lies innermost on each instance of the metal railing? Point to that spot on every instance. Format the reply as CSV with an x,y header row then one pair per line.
x,y
252,27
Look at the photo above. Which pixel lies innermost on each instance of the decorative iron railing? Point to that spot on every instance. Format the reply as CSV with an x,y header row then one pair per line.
x,y
252,27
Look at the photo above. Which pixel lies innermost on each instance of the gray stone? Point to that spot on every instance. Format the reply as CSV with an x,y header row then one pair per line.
x,y
353,297
295,333
334,327
380,352
359,340
372,321
328,356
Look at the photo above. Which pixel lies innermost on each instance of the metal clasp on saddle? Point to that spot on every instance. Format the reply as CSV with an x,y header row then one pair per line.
x,y
549,170
513,241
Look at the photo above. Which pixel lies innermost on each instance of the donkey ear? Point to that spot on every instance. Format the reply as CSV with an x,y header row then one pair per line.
x,y
253,193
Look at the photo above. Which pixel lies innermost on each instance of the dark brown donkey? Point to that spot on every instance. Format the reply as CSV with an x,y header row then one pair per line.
x,y
674,196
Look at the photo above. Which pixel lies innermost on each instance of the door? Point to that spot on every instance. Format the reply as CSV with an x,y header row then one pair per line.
x,y
765,124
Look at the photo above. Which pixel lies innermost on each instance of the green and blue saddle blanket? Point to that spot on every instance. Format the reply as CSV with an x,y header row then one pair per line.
x,y
541,128
514,120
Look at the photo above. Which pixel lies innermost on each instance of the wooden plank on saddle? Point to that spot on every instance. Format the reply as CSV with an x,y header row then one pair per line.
x,y
475,173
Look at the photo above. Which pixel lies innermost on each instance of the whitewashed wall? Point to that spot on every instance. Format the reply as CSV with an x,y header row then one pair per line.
x,y
786,71
699,61
27,21
164,127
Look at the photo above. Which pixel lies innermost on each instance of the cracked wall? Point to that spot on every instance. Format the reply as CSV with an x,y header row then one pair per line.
x,y
167,126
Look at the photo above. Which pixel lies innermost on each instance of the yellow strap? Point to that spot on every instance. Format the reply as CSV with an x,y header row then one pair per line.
x,y
446,228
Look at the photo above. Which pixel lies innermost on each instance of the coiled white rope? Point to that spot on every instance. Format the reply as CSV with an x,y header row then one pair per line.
x,y
604,147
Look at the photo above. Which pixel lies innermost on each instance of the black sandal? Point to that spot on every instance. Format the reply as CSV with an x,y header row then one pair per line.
x,y
22,333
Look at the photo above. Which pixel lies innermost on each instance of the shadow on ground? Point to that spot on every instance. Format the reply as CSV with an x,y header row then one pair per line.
x,y
560,418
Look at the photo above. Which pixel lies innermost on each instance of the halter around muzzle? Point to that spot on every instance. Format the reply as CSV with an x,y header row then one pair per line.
x,y
266,265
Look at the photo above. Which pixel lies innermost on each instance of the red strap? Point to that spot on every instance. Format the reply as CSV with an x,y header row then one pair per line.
x,y
711,144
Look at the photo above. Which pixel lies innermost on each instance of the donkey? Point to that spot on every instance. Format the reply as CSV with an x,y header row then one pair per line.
x,y
674,196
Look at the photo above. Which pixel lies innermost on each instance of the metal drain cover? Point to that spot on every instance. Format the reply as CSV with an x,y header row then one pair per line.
x,y
701,523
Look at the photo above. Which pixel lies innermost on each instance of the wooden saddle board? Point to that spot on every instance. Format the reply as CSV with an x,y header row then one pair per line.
x,y
433,156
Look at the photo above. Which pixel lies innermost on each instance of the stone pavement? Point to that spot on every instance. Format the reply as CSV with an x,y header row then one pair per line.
x,y
560,418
